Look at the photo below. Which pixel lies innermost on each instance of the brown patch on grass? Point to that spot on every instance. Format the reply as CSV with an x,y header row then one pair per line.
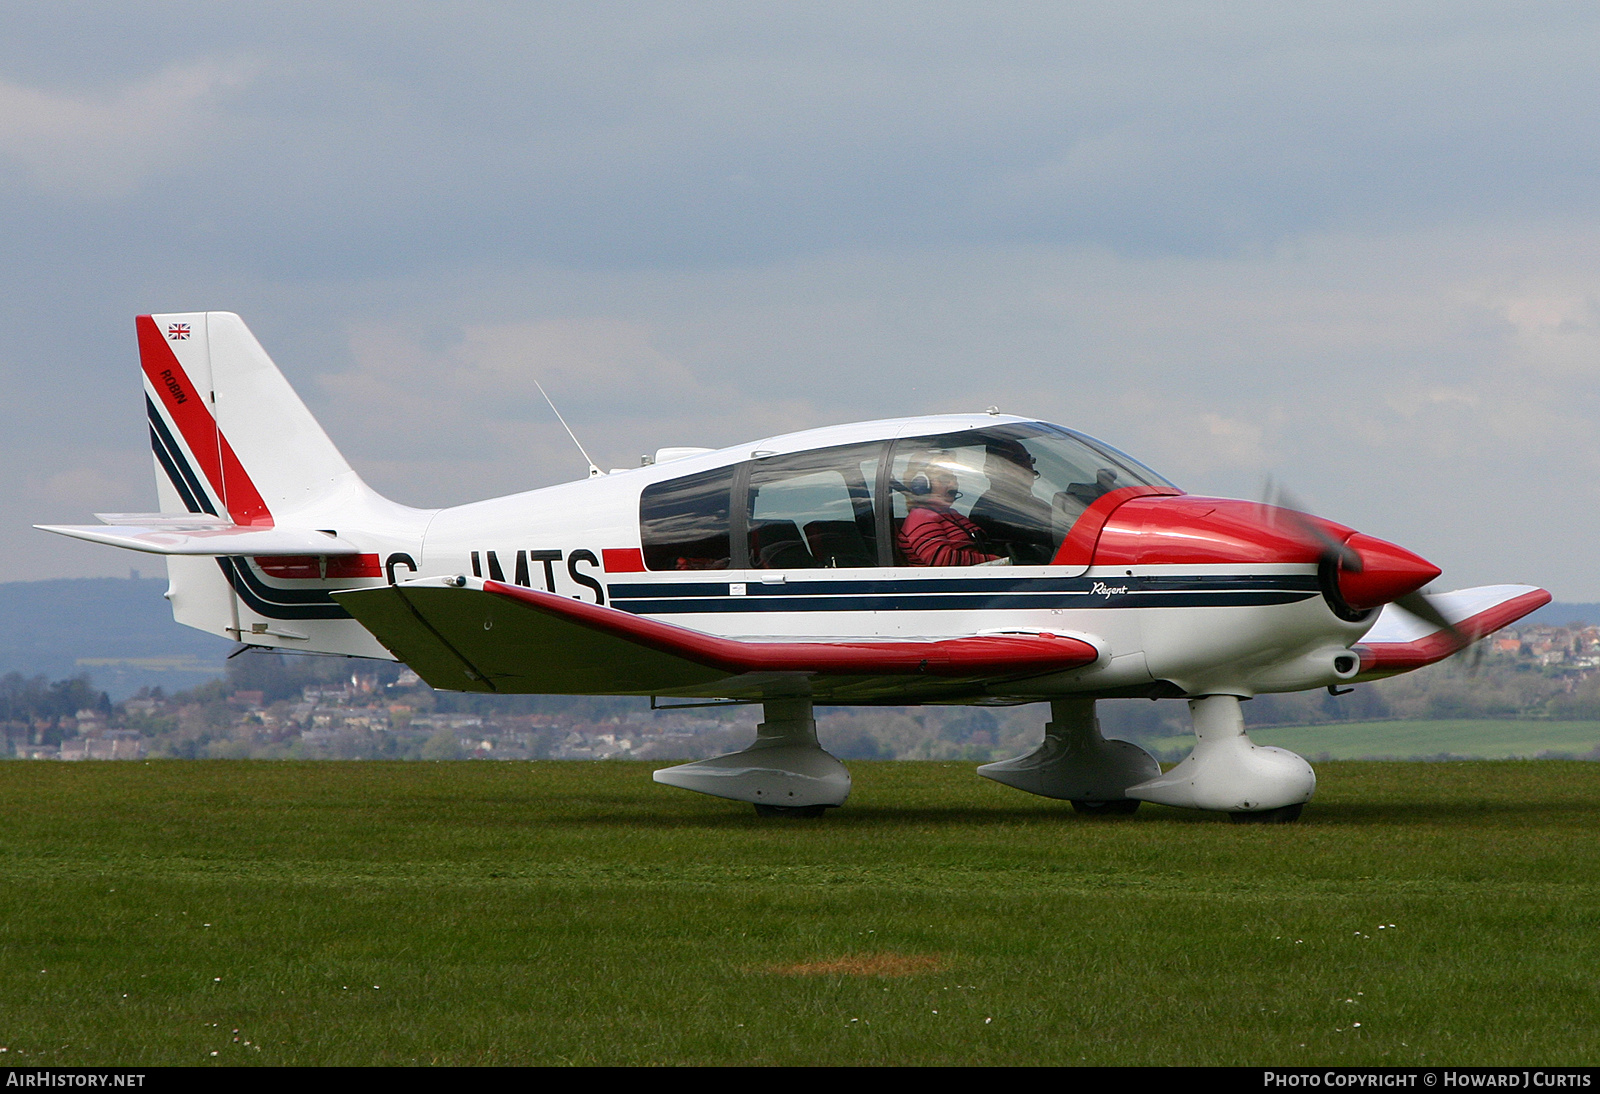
x,y
865,964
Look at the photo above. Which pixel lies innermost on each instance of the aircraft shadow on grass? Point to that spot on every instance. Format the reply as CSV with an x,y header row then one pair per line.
x,y
1452,813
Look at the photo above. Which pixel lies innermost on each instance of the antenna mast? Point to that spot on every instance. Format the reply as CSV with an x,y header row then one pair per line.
x,y
594,472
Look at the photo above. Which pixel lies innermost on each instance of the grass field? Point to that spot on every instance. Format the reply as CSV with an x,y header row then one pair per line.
x,y
547,913
1477,738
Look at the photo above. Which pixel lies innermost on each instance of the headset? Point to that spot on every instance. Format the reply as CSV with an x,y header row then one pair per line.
x,y
920,485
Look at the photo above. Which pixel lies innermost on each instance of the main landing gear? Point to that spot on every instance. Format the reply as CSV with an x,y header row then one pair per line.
x,y
1287,814
784,773
1124,807
1077,764
792,811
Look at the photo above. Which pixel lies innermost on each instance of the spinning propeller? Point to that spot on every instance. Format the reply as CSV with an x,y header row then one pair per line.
x,y
1359,572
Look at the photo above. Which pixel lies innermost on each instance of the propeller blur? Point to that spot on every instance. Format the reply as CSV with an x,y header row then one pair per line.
x,y
977,559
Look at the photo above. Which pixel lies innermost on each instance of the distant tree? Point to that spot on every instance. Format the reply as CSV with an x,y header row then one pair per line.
x,y
443,746
853,742
31,700
284,676
74,694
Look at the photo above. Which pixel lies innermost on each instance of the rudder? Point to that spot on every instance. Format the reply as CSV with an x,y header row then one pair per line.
x,y
233,439
230,434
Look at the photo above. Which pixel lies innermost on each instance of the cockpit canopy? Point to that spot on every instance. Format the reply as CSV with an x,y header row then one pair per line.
x,y
1004,494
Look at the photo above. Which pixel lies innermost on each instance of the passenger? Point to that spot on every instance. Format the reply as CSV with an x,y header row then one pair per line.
x,y
700,564
1009,514
934,534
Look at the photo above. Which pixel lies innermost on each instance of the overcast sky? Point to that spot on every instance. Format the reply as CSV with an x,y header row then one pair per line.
x,y
1353,246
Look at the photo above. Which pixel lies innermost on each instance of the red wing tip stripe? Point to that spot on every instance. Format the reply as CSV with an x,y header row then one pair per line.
x,y
1403,656
976,655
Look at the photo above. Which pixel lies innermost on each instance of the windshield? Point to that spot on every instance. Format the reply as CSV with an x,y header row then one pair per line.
x,y
1008,493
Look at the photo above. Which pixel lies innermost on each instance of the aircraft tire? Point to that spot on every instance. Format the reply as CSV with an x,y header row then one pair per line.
x,y
1287,814
1119,808
790,810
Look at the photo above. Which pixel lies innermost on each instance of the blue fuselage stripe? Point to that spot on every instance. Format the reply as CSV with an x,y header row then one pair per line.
x,y
276,603
963,594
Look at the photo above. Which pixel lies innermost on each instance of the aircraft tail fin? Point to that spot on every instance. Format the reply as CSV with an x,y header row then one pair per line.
x,y
261,516
230,435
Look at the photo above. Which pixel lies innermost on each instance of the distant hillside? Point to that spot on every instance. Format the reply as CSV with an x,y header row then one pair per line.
x,y
118,630
1565,615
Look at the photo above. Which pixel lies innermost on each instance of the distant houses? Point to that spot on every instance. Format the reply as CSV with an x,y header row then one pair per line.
x,y
314,708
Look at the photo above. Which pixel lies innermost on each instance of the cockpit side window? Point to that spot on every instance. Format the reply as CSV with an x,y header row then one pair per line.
x,y
1006,495
813,510
684,523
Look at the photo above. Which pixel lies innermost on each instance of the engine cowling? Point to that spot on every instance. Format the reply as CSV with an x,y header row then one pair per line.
x,y
1186,530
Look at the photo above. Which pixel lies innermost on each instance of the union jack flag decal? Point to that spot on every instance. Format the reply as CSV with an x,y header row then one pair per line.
x,y
178,331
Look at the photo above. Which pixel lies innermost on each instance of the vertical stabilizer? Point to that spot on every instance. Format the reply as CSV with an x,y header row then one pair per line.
x,y
232,438
235,434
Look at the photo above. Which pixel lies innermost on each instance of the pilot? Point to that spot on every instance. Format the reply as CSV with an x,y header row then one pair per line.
x,y
934,534
1009,514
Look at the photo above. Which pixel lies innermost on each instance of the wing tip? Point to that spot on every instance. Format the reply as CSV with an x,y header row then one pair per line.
x,y
1382,659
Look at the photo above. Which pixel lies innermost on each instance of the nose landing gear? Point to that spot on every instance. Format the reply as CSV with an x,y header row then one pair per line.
x,y
1230,773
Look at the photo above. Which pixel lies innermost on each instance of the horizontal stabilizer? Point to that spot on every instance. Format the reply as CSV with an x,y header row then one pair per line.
x,y
1400,641
200,535
494,636
177,522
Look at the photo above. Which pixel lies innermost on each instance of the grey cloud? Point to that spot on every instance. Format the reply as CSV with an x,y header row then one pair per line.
x,y
1349,244
657,136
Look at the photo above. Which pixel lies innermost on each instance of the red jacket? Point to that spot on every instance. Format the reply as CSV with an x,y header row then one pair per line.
x,y
941,537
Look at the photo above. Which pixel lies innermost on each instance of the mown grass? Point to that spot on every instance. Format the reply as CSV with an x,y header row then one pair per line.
x,y
546,913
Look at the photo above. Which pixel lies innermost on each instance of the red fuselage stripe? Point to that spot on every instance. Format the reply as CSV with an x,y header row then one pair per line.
x,y
320,567
623,560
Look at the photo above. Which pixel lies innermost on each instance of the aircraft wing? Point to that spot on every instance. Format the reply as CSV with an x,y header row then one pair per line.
x,y
491,636
199,535
1400,642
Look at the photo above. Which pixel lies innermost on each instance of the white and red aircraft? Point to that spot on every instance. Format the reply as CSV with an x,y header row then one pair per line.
x,y
976,558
